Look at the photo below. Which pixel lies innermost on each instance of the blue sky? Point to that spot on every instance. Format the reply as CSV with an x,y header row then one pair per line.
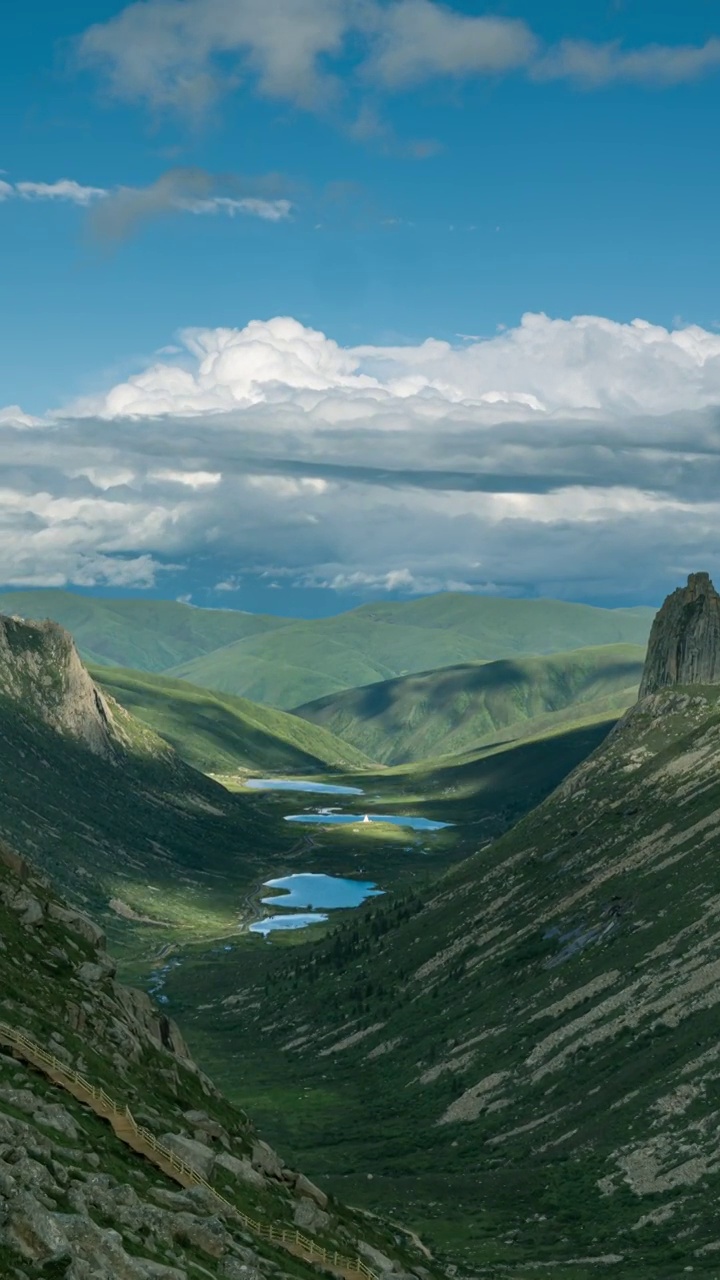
x,y
383,173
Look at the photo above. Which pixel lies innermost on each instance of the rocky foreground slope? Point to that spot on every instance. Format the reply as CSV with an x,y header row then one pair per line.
x,y
75,1202
529,1055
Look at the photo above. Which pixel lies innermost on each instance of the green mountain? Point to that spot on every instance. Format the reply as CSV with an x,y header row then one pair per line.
x,y
109,810
303,661
181,1186
220,734
148,635
525,1054
435,713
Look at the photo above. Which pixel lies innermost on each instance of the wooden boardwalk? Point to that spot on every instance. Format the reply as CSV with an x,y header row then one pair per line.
x,y
145,1143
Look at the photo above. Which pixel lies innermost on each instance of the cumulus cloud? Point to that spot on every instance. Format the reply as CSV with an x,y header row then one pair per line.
x,y
183,54
565,457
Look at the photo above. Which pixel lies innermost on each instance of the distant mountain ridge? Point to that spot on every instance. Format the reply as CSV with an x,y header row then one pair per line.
x,y
284,662
459,708
146,635
308,660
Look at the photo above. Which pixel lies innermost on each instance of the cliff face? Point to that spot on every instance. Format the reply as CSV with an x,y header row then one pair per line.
x,y
684,645
40,670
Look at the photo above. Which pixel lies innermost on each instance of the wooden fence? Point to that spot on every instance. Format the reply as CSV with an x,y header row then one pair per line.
x,y
145,1143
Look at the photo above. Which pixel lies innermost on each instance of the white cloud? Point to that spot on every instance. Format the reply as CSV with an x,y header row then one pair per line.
x,y
588,365
192,190
572,457
593,65
183,54
418,40
269,210
64,189
182,190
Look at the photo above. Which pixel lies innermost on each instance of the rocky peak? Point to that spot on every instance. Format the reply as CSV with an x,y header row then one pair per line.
x,y
684,644
40,669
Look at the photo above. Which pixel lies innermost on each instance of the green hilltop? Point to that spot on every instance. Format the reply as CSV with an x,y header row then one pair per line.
x,y
217,733
434,713
303,661
148,635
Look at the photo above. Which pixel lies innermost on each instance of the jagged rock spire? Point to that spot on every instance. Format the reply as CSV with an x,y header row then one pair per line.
x,y
684,645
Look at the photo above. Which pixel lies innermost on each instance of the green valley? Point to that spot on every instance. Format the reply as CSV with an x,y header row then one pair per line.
x,y
523,1054
217,733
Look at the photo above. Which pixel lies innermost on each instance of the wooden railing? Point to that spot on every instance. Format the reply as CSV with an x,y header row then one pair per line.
x,y
142,1140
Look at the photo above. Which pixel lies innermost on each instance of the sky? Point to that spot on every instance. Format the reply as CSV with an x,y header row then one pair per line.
x,y
312,302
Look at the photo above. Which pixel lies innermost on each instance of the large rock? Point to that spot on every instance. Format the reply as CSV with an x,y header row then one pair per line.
x,y
240,1169
304,1187
267,1160
378,1260
78,923
308,1217
196,1154
684,644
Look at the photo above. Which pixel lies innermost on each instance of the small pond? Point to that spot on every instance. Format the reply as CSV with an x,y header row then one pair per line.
x,y
316,890
296,784
418,824
300,920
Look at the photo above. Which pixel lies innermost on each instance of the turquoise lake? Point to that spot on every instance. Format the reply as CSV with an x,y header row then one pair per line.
x,y
418,824
317,890
294,784
298,921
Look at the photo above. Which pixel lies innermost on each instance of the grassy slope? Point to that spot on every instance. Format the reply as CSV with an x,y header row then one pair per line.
x,y
307,660
537,1076
218,733
149,635
99,1032
439,712
144,827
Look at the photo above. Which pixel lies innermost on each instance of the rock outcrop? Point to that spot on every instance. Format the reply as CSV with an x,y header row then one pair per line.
x,y
40,669
684,644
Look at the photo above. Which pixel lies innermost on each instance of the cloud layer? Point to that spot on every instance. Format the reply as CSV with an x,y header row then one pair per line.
x,y
185,53
578,458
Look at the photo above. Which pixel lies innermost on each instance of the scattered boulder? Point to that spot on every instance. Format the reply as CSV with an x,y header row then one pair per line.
x,y
240,1169
199,1156
78,923
267,1160
32,1229
91,973
375,1257
308,1217
28,907
304,1187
